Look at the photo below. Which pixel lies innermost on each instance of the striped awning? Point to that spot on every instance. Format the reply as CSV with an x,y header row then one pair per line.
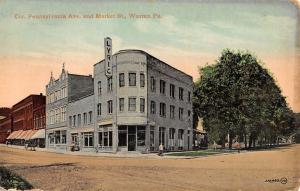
x,y
14,134
39,134
29,134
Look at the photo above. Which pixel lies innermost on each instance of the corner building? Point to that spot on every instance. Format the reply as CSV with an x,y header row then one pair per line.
x,y
145,103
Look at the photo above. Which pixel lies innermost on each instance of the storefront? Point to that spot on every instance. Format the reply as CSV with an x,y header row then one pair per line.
x,y
131,138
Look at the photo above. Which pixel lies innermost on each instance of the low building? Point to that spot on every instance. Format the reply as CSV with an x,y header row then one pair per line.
x,y
28,117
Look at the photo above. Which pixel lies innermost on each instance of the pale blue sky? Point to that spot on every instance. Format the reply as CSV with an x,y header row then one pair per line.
x,y
189,34
200,27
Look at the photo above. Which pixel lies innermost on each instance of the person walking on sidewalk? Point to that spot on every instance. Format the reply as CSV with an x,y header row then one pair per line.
x,y
161,149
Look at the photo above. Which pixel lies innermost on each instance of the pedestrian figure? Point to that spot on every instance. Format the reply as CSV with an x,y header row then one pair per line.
x,y
238,146
161,149
215,145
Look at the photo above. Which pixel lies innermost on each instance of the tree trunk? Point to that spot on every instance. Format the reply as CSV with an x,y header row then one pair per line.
x,y
230,141
245,141
250,141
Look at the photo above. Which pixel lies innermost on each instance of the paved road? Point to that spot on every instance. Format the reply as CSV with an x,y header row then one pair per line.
x,y
261,170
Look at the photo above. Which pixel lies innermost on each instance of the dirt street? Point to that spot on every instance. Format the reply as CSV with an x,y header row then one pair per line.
x,y
259,170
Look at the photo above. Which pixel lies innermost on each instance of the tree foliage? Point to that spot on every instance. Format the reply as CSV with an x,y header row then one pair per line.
x,y
237,96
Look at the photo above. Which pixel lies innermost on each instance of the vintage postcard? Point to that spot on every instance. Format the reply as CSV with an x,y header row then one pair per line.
x,y
149,95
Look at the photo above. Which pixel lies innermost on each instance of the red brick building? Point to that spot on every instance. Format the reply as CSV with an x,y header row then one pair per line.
x,y
28,120
29,113
5,123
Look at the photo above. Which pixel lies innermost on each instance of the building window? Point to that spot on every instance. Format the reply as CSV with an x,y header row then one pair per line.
x,y
189,97
152,107
90,117
122,135
142,105
105,137
79,120
152,137
161,137
99,109
51,138
172,111
132,79
121,104
142,80
189,113
131,104
99,88
70,121
74,120
172,90
88,138
171,138
57,137
180,139
109,84
162,87
153,84
110,107
57,115
162,109
121,79
63,137
63,114
180,113
141,135
181,93
84,119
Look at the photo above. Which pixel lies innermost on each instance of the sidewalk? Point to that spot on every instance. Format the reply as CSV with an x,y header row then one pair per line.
x,y
81,153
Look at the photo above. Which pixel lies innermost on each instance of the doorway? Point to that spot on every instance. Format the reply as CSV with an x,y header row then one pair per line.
x,y
131,138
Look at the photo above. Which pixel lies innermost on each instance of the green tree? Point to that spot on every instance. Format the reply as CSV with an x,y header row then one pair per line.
x,y
236,96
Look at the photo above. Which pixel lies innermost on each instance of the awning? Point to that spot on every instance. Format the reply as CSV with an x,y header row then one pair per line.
x,y
39,134
105,122
21,135
14,134
29,134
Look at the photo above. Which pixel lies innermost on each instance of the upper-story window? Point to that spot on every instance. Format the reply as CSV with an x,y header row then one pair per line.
x,y
189,113
74,120
99,109
70,121
132,79
109,84
121,104
172,111
63,114
180,113
84,118
110,106
121,80
79,120
153,84
162,87
142,105
142,80
181,93
162,109
99,88
90,117
189,96
131,104
172,90
152,107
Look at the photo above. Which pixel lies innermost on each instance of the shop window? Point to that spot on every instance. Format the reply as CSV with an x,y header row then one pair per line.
x,y
122,135
140,136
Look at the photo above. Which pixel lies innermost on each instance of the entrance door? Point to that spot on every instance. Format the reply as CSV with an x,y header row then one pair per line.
x,y
131,138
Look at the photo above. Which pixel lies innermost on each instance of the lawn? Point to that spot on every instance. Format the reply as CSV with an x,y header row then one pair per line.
x,y
200,152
